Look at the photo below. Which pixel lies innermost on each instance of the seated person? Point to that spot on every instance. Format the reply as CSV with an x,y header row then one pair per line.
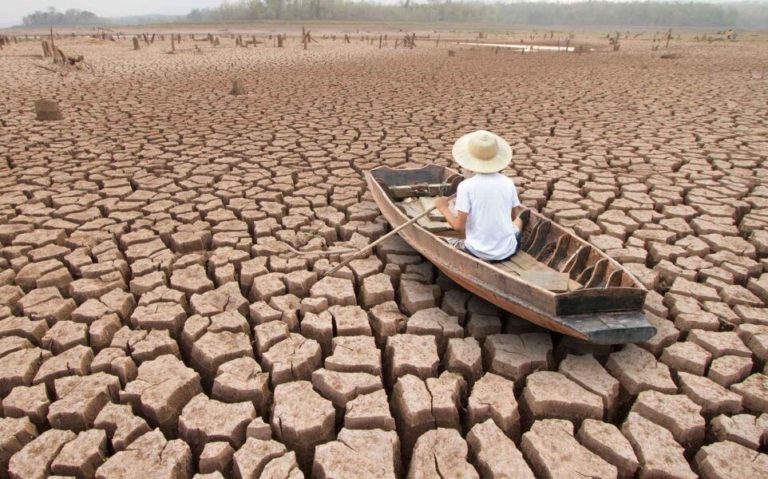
x,y
487,207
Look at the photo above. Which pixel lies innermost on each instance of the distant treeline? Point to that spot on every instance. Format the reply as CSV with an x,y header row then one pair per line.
x,y
70,17
748,15
692,14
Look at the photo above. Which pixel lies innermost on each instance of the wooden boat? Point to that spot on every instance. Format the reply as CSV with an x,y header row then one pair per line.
x,y
555,280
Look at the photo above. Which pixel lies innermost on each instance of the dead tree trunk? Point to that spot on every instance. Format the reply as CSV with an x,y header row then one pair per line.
x,y
46,49
136,45
173,43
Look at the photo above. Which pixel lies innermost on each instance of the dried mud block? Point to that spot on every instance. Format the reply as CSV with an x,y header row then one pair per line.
x,y
141,456
191,280
47,110
743,429
606,441
727,370
359,453
47,304
211,342
216,456
15,433
551,395
658,452
252,460
354,354
675,412
73,361
34,460
300,283
386,320
493,397
313,305
455,303
637,370
28,401
480,326
81,456
161,315
464,356
687,357
260,312
161,390
369,411
440,450
320,328
258,429
121,425
514,356
241,380
449,392
666,334
288,305
410,354
79,400
302,419
350,321
342,387
292,359
155,344
553,452
588,373
268,334
205,420
713,398
65,335
720,343
412,406
226,297
32,331
115,361
725,460
494,454
754,393
102,331
376,289
435,322
417,296
337,291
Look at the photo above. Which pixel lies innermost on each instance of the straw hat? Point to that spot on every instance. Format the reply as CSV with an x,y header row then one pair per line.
x,y
482,152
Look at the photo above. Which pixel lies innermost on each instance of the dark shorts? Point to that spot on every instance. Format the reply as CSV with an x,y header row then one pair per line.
x,y
458,243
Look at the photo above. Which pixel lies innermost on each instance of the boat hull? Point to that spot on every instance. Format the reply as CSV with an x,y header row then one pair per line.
x,y
513,295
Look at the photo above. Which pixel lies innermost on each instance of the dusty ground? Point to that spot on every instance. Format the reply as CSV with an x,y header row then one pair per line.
x,y
153,321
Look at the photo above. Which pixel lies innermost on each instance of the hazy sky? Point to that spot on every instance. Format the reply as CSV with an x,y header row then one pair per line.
x,y
11,11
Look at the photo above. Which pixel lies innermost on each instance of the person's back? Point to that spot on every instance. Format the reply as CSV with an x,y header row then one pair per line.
x,y
487,207
488,200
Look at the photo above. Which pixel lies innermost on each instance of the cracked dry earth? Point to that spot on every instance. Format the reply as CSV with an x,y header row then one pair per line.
x,y
153,321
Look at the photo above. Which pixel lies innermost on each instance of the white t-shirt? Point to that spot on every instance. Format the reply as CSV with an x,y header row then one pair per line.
x,y
488,199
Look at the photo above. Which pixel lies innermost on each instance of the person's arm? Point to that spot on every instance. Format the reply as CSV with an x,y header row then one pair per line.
x,y
457,221
516,211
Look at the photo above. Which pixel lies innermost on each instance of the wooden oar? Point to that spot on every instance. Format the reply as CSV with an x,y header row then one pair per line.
x,y
377,242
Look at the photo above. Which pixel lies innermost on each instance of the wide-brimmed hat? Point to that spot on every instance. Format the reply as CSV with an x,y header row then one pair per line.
x,y
482,152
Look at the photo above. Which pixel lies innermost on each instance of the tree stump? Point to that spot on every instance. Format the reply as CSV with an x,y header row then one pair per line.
x,y
451,53
46,49
47,110
136,44
238,88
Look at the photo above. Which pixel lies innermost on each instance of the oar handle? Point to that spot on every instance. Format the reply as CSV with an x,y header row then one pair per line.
x,y
378,241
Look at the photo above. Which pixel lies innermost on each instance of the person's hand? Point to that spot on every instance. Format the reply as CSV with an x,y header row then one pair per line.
x,y
441,203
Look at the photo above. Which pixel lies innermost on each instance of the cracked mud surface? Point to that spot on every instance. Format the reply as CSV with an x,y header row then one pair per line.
x,y
153,318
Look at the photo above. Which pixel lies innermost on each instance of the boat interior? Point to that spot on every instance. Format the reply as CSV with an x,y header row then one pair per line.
x,y
549,257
